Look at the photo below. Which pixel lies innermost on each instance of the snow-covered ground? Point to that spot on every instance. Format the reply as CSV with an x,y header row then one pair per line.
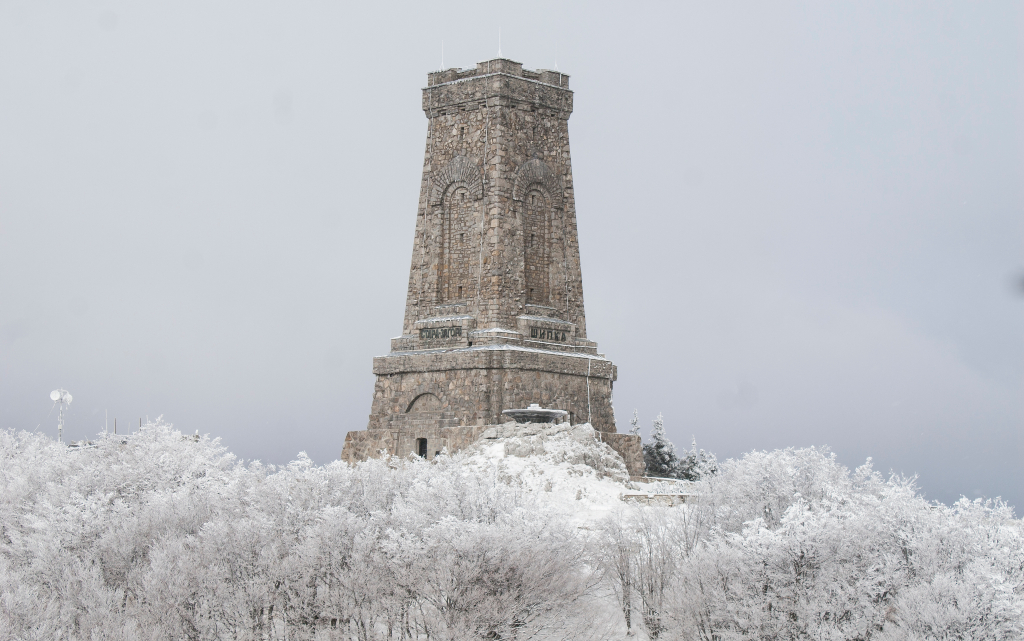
x,y
568,468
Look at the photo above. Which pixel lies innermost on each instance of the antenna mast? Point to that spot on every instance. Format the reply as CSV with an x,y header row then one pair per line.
x,y
63,398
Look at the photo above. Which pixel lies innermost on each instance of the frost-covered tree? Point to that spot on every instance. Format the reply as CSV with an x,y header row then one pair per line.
x,y
634,424
695,464
803,548
662,461
660,453
790,544
159,535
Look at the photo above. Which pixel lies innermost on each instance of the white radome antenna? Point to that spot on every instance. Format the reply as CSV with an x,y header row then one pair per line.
x,y
63,398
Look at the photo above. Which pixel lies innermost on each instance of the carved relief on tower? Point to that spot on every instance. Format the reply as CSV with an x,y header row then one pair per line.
x,y
536,173
460,171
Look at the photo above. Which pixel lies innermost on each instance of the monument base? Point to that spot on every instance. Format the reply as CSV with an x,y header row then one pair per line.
x,y
473,385
425,401
361,445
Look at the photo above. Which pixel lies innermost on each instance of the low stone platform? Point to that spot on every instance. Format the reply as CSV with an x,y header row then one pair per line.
x,y
364,444
660,499
361,445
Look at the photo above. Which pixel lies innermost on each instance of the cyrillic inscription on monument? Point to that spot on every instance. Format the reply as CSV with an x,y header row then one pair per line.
x,y
440,333
542,334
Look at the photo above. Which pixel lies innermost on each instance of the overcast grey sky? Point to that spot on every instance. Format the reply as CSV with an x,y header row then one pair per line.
x,y
800,224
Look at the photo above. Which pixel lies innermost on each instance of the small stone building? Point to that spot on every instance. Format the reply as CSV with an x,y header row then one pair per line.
x,y
494,316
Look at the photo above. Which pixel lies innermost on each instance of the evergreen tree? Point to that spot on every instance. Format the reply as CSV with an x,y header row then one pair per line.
x,y
634,424
662,461
696,464
660,454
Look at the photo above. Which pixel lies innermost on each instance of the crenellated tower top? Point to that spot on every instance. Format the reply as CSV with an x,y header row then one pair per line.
x,y
499,66
497,83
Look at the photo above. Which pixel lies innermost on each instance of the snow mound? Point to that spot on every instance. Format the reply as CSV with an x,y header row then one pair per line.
x,y
565,466
561,443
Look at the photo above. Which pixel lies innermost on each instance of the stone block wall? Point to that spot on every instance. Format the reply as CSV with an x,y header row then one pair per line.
x,y
367,444
496,223
630,448
474,385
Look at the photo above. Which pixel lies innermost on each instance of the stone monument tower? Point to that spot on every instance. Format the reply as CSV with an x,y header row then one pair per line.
x,y
494,315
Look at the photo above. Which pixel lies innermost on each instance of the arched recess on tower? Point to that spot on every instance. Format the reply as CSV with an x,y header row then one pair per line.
x,y
535,214
536,173
537,196
426,402
456,191
459,172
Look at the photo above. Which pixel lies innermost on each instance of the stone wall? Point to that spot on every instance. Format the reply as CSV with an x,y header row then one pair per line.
x,y
365,444
496,200
630,448
472,386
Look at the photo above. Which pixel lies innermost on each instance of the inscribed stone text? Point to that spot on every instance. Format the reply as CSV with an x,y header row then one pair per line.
x,y
440,333
547,334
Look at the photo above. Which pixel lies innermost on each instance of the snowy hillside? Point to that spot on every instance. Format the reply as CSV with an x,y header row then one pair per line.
x,y
523,535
